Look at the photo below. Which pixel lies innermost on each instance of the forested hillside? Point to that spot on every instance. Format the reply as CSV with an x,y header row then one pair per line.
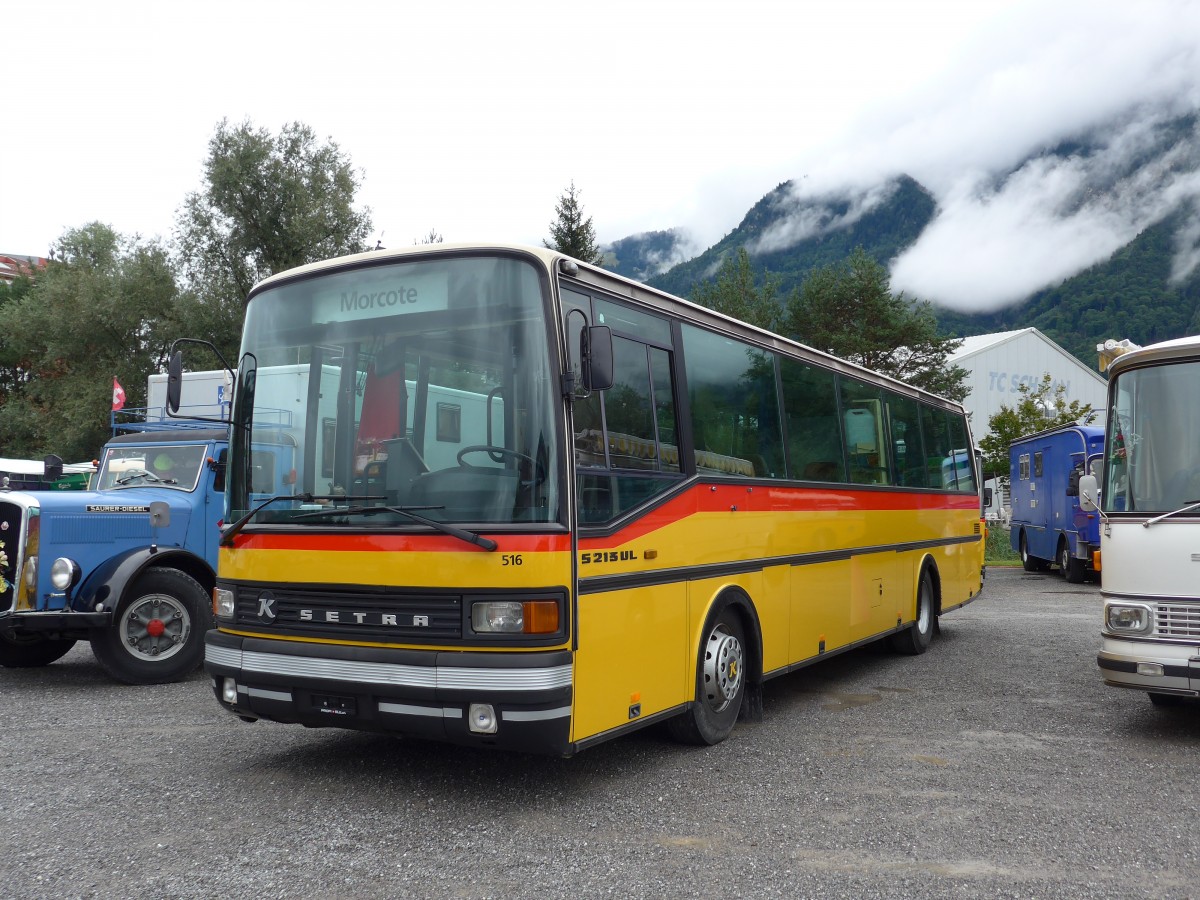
x,y
1129,296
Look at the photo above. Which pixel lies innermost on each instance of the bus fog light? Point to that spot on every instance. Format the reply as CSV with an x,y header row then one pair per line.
x,y
1153,669
482,718
1128,619
64,573
229,691
223,603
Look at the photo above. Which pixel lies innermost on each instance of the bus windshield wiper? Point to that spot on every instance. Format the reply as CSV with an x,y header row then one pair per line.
x,y
1189,505
409,512
229,533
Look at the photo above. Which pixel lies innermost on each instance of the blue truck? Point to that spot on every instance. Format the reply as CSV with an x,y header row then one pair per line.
x,y
1048,526
128,566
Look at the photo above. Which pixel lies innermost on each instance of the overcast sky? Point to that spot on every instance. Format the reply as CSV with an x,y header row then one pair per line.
x,y
472,118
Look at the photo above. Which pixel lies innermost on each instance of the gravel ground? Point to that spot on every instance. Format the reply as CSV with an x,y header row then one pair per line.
x,y
996,765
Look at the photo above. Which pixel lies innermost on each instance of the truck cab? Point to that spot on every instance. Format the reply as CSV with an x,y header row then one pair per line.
x,y
128,566
1048,525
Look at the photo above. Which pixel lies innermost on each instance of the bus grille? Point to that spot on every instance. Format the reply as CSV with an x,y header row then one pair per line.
x,y
10,536
1178,620
349,615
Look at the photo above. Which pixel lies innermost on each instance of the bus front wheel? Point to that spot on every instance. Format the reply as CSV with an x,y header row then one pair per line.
x,y
720,683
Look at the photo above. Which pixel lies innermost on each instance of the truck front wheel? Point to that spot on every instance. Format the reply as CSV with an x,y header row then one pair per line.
x,y
30,652
157,634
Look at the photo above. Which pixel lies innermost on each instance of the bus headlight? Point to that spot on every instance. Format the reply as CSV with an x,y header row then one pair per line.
x,y
1128,618
223,603
514,617
64,574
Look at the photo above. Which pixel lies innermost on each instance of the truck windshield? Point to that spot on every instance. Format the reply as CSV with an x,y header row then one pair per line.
x,y
160,465
1152,448
422,384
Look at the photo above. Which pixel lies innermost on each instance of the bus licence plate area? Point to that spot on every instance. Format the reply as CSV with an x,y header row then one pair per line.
x,y
335,704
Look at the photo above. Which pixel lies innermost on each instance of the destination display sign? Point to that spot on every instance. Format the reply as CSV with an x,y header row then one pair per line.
x,y
376,293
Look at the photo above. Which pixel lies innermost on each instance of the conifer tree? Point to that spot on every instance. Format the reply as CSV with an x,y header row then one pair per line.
x,y
571,233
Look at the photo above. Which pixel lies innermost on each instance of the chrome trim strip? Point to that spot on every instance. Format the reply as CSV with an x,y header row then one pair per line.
x,y
536,715
262,693
443,677
338,669
407,709
222,656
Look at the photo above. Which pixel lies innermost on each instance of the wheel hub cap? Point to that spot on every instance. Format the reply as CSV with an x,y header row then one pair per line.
x,y
723,663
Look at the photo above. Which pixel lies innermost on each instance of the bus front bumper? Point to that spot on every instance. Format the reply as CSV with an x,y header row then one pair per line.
x,y
514,700
1152,666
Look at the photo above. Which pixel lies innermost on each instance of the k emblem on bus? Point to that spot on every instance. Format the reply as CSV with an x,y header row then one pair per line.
x,y
266,606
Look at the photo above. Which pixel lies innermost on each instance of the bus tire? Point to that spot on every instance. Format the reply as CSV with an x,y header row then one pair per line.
x,y
31,651
1072,568
721,673
157,633
1029,563
914,640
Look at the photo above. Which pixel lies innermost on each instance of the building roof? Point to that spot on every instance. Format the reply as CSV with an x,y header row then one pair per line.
x,y
981,343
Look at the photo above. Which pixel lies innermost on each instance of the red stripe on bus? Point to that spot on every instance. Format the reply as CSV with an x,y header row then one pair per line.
x,y
400,543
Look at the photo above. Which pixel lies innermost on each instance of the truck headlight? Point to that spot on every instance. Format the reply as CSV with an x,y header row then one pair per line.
x,y
64,574
1128,618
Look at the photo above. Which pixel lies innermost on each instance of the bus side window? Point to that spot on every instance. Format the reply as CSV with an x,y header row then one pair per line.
x,y
814,437
735,410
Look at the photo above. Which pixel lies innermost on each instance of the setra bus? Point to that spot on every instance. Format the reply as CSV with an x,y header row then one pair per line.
x,y
1150,529
537,505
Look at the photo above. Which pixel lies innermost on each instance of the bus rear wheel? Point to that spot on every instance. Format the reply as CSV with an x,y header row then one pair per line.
x,y
720,683
915,639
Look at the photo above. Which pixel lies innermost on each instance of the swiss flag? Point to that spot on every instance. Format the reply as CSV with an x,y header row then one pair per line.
x,y
118,394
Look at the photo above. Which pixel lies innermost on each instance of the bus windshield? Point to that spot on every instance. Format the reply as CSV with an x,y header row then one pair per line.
x,y
423,385
1152,449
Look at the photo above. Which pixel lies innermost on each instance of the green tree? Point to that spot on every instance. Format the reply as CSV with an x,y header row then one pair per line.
x,y
269,203
571,233
1038,408
11,373
105,306
735,293
848,309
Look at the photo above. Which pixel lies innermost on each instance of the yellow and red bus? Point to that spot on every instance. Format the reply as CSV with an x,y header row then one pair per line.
x,y
536,505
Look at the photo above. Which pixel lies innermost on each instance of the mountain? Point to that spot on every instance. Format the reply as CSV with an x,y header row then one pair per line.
x,y
1134,170
883,221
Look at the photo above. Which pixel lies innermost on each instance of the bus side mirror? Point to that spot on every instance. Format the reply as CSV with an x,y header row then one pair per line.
x,y
596,357
174,381
987,496
1089,493
52,467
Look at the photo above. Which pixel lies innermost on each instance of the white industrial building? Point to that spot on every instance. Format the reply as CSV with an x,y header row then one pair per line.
x,y
1000,363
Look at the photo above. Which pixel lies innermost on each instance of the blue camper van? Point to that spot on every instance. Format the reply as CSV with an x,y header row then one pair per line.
x,y
1047,524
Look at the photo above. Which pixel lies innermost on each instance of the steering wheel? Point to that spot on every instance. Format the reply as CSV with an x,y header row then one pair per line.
x,y
536,470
